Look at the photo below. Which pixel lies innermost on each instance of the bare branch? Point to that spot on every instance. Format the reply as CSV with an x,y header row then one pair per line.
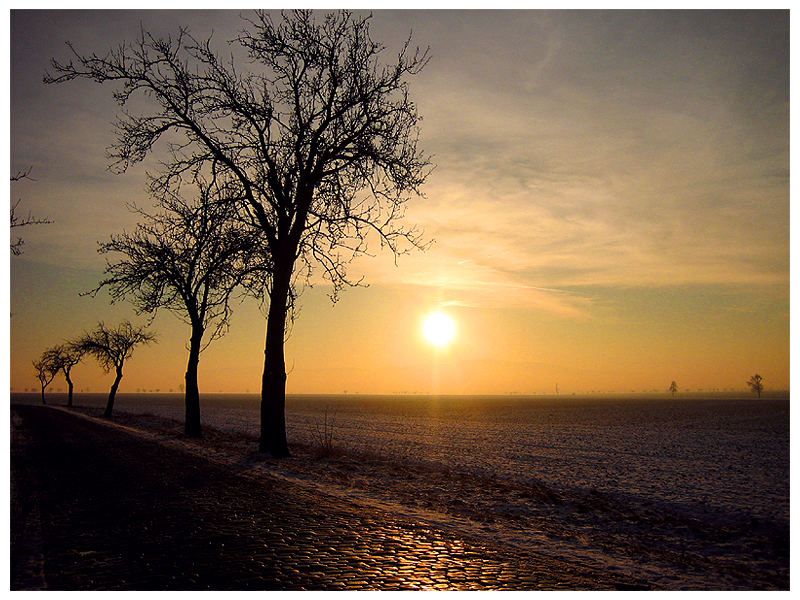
x,y
19,221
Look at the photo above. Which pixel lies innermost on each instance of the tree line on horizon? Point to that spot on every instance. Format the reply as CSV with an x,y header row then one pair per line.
x,y
755,383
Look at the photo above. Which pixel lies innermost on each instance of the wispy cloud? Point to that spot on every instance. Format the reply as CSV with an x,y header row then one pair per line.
x,y
573,149
630,150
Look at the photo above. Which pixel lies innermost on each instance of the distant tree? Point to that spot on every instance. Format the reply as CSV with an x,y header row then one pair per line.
x,y
45,372
63,358
673,388
320,136
188,258
756,384
111,347
19,221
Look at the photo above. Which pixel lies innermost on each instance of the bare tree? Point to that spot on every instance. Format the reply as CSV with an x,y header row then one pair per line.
x,y
45,372
320,135
188,258
756,384
62,358
111,347
673,388
19,221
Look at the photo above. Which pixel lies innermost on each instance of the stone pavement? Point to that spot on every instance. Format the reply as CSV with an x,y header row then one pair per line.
x,y
96,507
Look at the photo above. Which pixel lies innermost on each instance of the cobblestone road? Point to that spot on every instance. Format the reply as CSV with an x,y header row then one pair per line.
x,y
95,507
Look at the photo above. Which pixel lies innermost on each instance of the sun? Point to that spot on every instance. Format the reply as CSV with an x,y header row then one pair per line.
x,y
439,329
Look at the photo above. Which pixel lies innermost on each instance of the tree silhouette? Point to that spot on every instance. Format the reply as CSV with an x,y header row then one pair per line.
x,y
756,384
320,136
187,258
45,372
19,221
111,347
63,358
673,388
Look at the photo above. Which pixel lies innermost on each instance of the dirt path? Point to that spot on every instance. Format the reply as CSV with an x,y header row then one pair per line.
x,y
95,507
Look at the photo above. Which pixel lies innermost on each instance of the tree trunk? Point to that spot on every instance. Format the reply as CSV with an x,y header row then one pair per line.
x,y
113,393
273,382
43,400
192,396
69,388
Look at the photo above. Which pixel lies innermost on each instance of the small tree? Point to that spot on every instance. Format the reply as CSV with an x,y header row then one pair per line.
x,y
756,384
63,358
188,258
45,372
111,347
673,388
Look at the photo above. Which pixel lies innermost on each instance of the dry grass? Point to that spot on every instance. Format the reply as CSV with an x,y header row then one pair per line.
x,y
322,435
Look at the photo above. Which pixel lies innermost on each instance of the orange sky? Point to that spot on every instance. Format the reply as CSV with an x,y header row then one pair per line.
x,y
610,212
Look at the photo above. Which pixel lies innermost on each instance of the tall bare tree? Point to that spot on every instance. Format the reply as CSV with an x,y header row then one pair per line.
x,y
62,358
319,133
18,220
46,371
188,258
112,347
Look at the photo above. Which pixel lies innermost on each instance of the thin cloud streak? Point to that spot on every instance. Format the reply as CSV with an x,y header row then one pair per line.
x,y
632,149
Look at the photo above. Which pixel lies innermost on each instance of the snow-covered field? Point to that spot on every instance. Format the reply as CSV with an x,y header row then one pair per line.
x,y
730,453
694,484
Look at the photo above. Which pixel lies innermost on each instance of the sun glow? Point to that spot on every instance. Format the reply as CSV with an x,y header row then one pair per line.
x,y
439,329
